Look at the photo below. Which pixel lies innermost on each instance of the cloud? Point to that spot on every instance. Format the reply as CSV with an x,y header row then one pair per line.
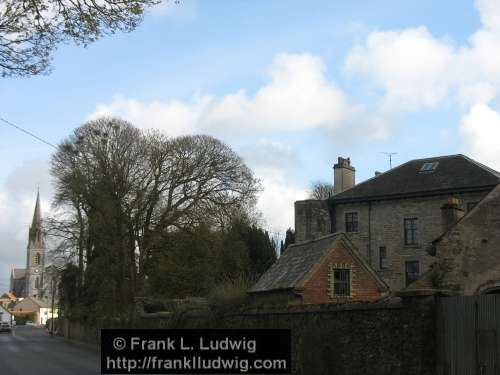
x,y
480,129
274,163
298,97
417,70
410,65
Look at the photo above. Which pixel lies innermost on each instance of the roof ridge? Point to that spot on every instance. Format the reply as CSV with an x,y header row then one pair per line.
x,y
480,165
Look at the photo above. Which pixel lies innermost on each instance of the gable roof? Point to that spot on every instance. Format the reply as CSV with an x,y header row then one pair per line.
x,y
18,273
453,173
8,295
33,301
291,269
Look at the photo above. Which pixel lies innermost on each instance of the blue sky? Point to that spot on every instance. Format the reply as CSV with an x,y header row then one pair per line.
x,y
289,85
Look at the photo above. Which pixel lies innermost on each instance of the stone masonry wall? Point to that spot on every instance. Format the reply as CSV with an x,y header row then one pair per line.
x,y
386,229
312,219
392,337
471,248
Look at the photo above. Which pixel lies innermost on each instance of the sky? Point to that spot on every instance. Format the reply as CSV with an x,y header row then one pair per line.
x,y
288,85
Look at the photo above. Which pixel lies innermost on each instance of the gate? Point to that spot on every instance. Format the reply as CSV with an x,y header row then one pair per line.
x,y
468,334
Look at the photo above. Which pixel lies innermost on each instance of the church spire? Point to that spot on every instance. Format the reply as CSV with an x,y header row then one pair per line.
x,y
37,215
35,232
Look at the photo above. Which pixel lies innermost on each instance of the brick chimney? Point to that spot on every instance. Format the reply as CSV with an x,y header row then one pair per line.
x,y
343,175
451,212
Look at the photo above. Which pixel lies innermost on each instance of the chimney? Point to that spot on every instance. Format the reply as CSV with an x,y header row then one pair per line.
x,y
377,173
451,212
343,175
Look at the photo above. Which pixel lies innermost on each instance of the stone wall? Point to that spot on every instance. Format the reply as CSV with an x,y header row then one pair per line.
x,y
312,219
469,251
395,337
381,224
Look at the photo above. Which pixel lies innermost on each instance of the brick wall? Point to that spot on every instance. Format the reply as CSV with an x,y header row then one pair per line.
x,y
363,286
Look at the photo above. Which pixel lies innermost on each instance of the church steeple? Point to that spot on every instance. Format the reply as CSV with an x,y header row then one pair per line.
x,y
35,255
35,232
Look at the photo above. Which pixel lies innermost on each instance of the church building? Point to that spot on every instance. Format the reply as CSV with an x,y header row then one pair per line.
x,y
29,282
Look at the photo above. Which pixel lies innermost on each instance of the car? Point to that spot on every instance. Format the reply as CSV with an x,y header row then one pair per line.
x,y
5,327
29,323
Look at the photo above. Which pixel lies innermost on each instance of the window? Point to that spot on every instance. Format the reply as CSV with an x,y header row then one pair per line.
x,y
471,205
351,222
382,258
410,228
37,282
412,271
340,281
429,167
37,259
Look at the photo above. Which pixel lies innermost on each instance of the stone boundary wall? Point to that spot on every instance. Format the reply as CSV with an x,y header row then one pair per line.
x,y
392,337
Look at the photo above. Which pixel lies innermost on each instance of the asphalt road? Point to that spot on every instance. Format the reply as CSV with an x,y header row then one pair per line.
x,y
31,350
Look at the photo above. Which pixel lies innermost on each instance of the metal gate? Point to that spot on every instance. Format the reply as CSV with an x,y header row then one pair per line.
x,y
468,334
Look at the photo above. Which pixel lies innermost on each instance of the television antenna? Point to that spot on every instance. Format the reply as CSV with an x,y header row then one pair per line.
x,y
389,154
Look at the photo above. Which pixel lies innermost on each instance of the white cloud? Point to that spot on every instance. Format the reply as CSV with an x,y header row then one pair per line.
x,y
410,65
274,163
298,97
480,129
416,70
489,11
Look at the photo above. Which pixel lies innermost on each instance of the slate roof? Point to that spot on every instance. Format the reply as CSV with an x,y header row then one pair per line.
x,y
295,263
454,173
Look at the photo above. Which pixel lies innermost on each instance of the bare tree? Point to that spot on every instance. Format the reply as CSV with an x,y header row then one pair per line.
x,y
123,189
321,190
31,29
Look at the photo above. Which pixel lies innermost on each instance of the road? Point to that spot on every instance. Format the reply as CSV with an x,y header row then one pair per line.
x,y
31,350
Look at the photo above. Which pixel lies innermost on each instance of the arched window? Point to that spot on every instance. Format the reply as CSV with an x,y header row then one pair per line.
x,y
37,259
37,282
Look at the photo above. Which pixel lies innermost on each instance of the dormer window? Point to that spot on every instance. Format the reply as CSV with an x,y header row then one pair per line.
x,y
429,167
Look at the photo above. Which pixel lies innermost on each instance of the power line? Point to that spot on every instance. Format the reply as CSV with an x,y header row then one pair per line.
x,y
27,132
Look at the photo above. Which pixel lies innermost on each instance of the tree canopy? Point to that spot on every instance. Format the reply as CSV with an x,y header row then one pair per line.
x,y
30,30
122,192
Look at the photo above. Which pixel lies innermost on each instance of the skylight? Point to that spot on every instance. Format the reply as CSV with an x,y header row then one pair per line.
x,y
429,167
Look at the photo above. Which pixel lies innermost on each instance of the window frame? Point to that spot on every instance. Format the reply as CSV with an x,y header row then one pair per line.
x,y
413,229
429,167
382,260
351,226
334,282
408,280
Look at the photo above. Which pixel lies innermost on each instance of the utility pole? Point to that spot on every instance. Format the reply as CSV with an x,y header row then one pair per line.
x,y
389,154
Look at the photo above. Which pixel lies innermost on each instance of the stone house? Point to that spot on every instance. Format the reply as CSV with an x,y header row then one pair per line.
x,y
323,270
393,217
468,253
